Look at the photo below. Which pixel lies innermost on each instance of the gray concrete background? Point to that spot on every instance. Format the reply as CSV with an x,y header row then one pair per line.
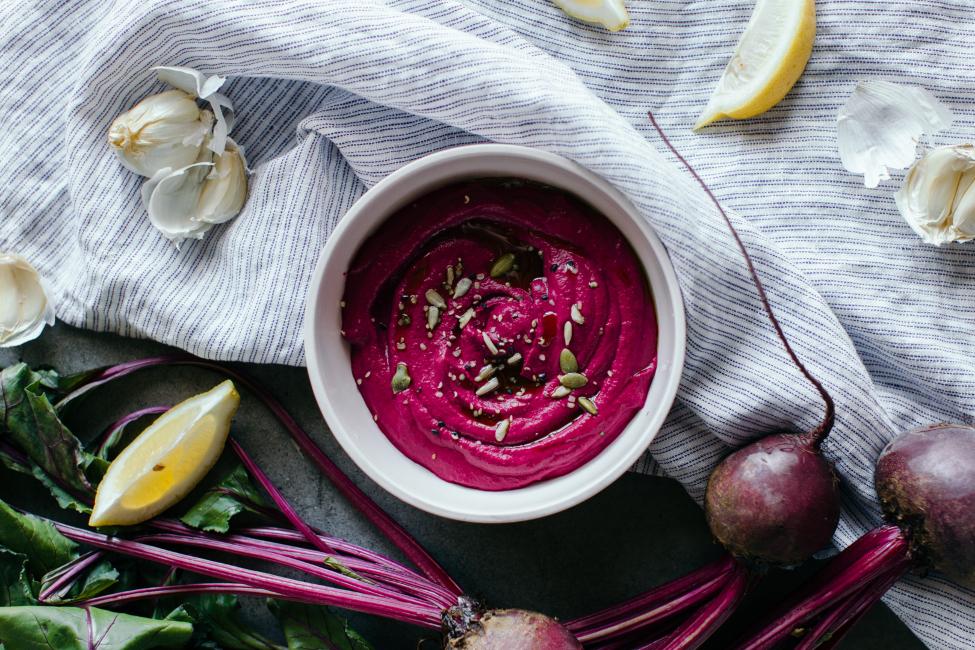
x,y
638,533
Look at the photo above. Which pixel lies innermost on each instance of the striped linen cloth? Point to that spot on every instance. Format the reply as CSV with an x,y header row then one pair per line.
x,y
332,96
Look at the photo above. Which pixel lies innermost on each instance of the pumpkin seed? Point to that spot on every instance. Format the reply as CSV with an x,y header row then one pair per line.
x,y
567,361
560,392
401,380
573,380
463,286
587,405
435,299
503,265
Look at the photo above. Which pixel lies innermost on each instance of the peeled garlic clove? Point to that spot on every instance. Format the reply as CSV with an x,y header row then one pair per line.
x,y
225,188
938,199
24,306
203,87
164,130
171,198
880,125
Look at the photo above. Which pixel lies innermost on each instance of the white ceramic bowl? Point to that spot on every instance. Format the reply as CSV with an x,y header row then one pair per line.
x,y
328,354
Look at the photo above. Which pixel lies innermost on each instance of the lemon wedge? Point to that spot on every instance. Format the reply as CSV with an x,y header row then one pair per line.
x,y
167,460
768,60
611,14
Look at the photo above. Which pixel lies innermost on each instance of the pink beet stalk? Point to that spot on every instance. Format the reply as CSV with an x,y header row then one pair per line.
x,y
392,530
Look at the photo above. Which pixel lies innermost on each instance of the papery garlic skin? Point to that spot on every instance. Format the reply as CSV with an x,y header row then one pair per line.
x,y
938,198
203,87
880,125
163,130
225,188
24,305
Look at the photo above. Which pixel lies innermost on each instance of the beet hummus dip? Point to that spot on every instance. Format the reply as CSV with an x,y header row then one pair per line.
x,y
502,332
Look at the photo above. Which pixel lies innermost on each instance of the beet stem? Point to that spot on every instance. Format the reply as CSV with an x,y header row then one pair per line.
x,y
125,420
369,508
279,499
659,613
655,596
146,593
889,552
817,435
62,583
428,617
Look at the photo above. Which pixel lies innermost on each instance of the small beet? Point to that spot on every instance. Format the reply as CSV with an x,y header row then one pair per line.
x,y
515,629
926,483
774,501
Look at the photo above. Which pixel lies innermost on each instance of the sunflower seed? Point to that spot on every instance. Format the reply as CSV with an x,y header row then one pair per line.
x,y
435,299
433,317
567,332
492,348
463,286
587,405
501,430
487,387
576,313
514,358
485,373
502,265
450,276
560,392
466,317
401,380
567,361
573,380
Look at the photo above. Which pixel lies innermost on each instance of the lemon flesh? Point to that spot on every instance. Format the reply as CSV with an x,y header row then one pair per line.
x,y
167,460
611,14
768,60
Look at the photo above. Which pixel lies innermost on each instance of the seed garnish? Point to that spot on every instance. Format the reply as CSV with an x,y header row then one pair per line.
x,y
401,380
501,430
487,387
573,380
567,361
560,392
433,317
492,348
514,358
567,332
576,313
485,372
587,405
503,265
466,317
463,286
435,299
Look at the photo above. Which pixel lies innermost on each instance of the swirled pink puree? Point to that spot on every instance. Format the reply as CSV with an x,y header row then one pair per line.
x,y
561,253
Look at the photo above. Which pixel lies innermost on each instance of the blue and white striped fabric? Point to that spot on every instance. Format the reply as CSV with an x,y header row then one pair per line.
x,y
332,96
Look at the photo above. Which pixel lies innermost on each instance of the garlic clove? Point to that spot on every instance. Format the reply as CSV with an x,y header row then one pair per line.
x,y
24,305
937,198
880,125
225,187
171,198
203,87
163,130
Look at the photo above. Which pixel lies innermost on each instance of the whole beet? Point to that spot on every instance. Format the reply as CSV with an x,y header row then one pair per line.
x,y
926,483
515,629
775,501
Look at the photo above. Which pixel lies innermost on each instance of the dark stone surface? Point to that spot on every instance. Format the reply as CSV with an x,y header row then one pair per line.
x,y
637,533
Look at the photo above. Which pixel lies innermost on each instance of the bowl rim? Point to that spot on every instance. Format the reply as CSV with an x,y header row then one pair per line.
x,y
665,291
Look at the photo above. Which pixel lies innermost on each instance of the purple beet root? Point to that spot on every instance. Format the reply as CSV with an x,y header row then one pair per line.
x,y
774,501
515,629
926,484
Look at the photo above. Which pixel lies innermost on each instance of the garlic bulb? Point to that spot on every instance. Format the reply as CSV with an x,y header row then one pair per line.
x,y
880,125
24,307
185,203
199,85
937,198
164,130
